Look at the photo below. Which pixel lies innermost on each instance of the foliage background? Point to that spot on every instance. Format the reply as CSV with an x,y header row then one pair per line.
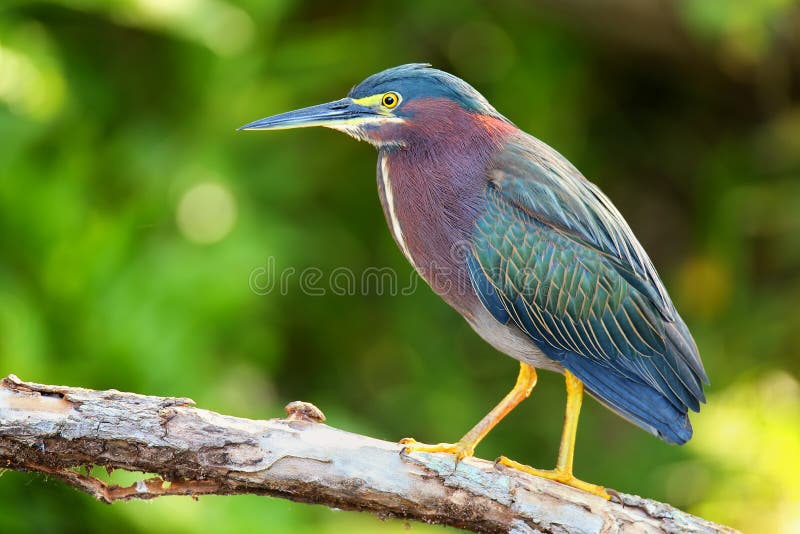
x,y
132,216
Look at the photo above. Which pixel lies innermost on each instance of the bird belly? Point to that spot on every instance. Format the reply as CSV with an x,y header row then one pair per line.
x,y
509,339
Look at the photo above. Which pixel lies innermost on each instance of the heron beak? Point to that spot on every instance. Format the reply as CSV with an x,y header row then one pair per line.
x,y
339,114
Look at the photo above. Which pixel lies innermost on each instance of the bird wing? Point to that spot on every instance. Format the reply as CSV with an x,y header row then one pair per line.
x,y
553,256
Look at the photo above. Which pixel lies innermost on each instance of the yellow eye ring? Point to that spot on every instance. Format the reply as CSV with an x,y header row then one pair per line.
x,y
390,100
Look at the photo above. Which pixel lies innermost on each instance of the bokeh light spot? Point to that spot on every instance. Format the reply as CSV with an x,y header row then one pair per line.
x,y
704,286
224,28
206,213
749,432
31,82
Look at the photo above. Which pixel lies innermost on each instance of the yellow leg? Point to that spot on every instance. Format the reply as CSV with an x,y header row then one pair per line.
x,y
466,445
563,471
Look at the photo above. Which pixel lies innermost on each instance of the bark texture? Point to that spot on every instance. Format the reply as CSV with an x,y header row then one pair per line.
x,y
56,430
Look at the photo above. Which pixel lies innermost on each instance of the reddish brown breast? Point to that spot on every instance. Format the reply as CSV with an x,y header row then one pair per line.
x,y
432,191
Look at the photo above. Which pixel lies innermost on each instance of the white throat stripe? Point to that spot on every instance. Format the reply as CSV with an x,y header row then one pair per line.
x,y
396,230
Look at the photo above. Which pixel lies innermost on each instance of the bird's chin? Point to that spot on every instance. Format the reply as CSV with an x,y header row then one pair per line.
x,y
353,130
378,133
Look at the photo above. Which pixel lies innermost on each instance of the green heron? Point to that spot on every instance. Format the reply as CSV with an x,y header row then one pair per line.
x,y
534,256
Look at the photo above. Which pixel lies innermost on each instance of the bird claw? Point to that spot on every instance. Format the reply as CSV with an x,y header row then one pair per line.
x,y
459,450
557,475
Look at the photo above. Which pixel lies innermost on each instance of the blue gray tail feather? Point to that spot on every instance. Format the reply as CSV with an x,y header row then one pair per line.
x,y
633,400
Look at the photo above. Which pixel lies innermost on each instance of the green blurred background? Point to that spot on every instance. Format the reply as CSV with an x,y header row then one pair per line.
x,y
132,215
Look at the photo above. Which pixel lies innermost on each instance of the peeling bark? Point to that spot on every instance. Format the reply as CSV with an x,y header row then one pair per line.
x,y
55,429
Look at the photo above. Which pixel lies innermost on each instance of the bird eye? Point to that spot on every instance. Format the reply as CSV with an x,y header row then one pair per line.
x,y
390,100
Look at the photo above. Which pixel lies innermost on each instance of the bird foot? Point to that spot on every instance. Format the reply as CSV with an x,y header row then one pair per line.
x,y
564,477
459,449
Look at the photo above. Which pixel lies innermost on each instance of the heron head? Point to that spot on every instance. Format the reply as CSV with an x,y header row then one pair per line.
x,y
394,107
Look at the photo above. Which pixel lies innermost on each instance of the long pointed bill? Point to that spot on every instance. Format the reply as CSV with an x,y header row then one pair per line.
x,y
338,114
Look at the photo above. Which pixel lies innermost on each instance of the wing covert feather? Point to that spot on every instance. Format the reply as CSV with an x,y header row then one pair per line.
x,y
553,256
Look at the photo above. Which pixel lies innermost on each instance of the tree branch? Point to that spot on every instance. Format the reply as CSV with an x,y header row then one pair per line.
x,y
56,429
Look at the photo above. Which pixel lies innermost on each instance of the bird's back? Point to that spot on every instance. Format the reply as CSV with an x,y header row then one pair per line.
x,y
555,259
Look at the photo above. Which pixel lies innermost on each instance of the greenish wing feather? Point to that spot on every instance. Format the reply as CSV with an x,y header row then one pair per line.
x,y
540,182
565,268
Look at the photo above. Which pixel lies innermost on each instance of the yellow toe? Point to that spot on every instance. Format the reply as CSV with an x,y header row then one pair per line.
x,y
460,450
563,477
